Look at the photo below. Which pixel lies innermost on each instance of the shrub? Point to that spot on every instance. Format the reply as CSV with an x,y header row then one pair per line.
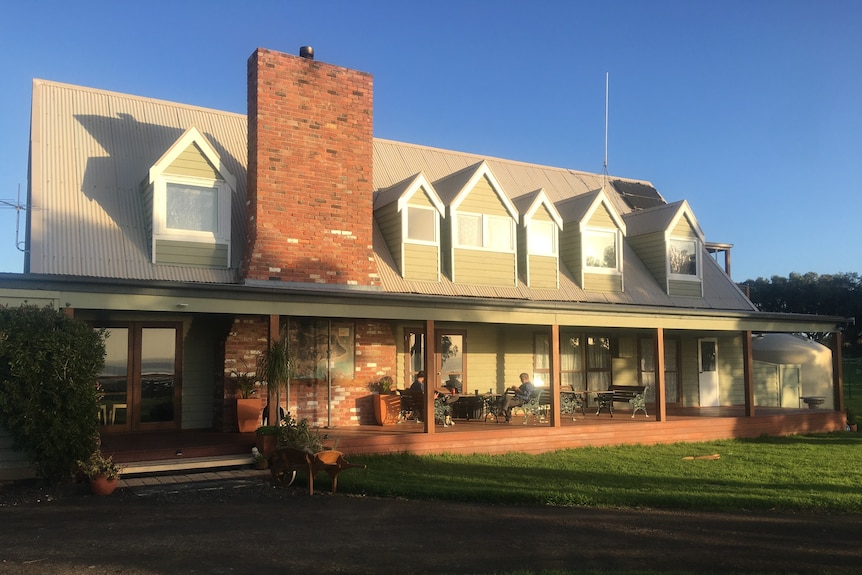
x,y
49,395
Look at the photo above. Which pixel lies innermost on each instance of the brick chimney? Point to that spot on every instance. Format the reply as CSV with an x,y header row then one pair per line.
x,y
309,172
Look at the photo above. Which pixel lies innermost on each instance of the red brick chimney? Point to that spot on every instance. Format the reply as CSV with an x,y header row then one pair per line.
x,y
309,171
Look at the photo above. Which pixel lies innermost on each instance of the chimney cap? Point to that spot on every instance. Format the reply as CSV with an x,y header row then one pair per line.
x,y
306,52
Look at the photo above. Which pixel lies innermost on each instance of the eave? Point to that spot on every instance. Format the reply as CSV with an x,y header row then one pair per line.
x,y
311,300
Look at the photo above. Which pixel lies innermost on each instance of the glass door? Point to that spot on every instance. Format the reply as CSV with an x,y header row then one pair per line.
x,y
140,381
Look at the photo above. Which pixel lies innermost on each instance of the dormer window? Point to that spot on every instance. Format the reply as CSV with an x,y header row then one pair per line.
x,y
188,191
683,258
542,238
485,231
422,224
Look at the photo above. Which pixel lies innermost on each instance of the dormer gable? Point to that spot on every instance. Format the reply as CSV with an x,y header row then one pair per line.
x,y
538,240
592,244
480,228
188,196
408,214
670,242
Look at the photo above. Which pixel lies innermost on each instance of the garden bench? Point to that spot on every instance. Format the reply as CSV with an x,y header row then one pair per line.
x,y
633,394
538,405
286,461
571,401
412,403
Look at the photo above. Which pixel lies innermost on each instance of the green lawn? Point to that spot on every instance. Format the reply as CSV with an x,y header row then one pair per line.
x,y
797,473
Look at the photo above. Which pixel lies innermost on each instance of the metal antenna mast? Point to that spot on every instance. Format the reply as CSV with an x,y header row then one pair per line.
x,y
605,164
18,206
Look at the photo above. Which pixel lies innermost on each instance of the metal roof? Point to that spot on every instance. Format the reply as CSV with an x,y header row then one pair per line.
x,y
91,150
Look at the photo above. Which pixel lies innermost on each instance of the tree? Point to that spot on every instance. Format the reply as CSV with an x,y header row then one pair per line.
x,y
836,295
49,394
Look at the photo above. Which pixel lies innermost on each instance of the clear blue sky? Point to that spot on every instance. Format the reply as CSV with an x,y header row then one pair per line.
x,y
750,109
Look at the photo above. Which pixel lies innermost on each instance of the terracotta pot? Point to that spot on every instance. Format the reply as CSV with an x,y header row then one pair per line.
x,y
387,408
101,485
266,444
248,414
854,427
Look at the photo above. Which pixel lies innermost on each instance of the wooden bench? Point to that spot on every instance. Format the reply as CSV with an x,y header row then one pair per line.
x,y
539,405
286,461
412,404
571,401
632,394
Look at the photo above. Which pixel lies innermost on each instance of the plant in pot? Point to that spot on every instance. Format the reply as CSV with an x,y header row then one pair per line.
x,y
276,365
247,405
300,435
102,472
266,439
387,405
852,423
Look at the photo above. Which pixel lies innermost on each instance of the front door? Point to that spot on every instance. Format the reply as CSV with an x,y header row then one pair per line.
x,y
140,381
708,368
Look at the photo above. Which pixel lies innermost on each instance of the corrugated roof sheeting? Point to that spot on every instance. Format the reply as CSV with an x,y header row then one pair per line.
x,y
93,149
97,148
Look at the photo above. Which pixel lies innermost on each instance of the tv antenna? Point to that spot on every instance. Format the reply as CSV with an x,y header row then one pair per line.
x,y
18,207
605,163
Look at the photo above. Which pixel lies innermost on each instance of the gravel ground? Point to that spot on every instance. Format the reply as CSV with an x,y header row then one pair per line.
x,y
248,526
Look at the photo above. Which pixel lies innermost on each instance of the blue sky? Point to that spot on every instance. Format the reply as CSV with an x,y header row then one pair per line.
x,y
751,109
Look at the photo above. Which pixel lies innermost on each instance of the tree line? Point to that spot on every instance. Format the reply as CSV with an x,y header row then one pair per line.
x,y
829,294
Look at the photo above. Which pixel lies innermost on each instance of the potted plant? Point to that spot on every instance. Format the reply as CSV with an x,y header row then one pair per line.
x,y
300,435
852,424
247,405
387,406
102,472
276,365
266,439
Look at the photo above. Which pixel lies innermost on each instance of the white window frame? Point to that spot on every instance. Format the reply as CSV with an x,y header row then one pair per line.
x,y
484,221
407,237
160,219
617,237
698,249
552,227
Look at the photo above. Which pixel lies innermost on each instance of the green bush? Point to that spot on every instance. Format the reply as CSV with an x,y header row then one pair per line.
x,y
49,392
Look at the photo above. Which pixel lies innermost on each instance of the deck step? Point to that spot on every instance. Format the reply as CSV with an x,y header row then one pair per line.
x,y
187,464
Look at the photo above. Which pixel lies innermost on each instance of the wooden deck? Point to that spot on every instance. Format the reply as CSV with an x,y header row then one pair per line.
x,y
468,437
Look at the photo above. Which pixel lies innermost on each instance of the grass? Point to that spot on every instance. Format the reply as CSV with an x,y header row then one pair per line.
x,y
814,473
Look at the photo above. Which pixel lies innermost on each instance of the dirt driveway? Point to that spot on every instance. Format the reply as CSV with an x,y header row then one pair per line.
x,y
247,526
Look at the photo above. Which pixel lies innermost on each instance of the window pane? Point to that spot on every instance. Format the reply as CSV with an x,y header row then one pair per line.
x,y
571,358
599,352
600,249
541,238
469,230
192,208
416,343
499,233
683,257
158,355
421,224
114,378
542,357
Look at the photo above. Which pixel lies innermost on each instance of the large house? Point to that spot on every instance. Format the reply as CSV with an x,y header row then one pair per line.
x,y
196,236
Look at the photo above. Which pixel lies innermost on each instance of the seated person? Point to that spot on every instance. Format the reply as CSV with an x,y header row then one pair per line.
x,y
516,396
418,382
